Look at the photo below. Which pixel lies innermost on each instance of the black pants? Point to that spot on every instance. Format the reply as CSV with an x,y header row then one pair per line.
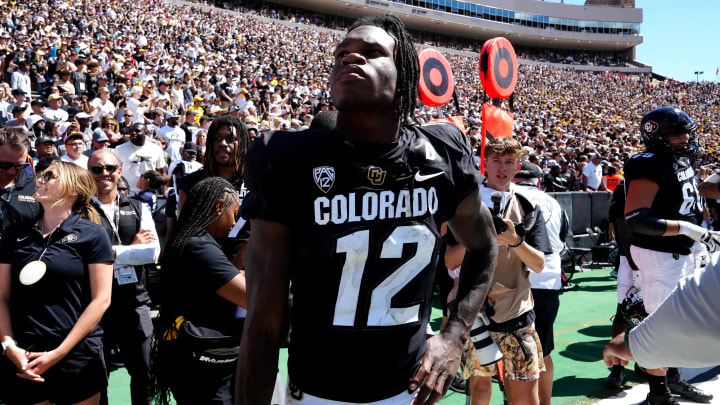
x,y
132,333
77,377
547,303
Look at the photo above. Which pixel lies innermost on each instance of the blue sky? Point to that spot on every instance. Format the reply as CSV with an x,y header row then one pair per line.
x,y
679,38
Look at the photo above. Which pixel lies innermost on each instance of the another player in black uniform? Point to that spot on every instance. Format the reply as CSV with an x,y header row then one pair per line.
x,y
663,212
352,218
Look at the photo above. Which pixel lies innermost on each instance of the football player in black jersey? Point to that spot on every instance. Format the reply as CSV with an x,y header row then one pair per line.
x,y
351,217
663,211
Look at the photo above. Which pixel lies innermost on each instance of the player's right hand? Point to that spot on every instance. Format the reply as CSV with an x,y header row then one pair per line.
x,y
438,369
711,239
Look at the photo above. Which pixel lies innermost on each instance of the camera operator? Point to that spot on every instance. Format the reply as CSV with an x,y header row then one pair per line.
x,y
522,244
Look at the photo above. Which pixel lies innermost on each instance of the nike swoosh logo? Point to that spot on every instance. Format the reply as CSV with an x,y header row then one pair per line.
x,y
22,239
419,177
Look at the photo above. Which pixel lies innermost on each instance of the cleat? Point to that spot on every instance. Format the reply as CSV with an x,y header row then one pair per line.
x,y
616,377
679,386
662,399
614,274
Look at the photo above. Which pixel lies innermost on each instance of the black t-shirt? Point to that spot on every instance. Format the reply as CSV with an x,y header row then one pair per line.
x,y
677,198
192,278
50,308
16,202
364,221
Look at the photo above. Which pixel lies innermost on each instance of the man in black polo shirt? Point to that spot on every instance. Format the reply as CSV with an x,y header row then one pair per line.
x,y
16,184
131,229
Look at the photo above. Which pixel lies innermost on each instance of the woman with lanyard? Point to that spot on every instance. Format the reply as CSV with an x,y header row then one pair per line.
x,y
203,296
55,285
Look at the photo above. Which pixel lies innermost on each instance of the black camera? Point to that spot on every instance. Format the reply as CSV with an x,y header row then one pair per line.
x,y
500,226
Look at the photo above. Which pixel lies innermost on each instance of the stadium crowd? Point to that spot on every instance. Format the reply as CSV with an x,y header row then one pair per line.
x,y
167,86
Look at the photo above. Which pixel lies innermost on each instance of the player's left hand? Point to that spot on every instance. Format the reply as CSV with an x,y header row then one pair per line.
x,y
438,369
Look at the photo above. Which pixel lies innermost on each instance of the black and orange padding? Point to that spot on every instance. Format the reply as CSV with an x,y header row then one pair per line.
x,y
498,68
437,84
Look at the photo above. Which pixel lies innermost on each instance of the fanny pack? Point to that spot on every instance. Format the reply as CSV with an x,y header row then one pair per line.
x,y
217,347
514,324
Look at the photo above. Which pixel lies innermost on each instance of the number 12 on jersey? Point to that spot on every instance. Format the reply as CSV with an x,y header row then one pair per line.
x,y
355,248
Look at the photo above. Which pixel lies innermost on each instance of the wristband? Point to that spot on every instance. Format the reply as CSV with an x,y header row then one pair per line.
x,y
715,178
6,344
519,243
691,230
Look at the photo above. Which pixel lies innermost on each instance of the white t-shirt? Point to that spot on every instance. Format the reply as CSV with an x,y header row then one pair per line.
x,y
55,115
107,108
81,161
594,175
549,278
136,160
176,139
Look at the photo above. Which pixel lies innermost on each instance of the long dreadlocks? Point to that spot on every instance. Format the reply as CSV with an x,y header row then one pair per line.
x,y
406,59
198,212
241,146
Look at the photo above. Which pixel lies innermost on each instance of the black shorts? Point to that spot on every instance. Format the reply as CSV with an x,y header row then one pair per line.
x,y
77,377
547,303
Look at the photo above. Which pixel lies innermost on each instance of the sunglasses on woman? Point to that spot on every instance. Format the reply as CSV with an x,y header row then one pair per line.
x,y
99,169
46,176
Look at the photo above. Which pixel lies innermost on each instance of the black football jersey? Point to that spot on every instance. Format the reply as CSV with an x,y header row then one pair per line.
x,y
677,197
364,219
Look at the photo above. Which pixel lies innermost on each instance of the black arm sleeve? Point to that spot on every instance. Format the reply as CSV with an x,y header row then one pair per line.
x,y
640,221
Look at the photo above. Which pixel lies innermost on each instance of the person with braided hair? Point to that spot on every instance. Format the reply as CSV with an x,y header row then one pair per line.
x,y
200,286
227,145
351,217
55,285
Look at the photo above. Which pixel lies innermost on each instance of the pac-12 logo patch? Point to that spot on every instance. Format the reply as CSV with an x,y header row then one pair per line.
x,y
324,177
650,127
376,175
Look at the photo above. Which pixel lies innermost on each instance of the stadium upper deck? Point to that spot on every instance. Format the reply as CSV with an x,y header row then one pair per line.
x,y
613,26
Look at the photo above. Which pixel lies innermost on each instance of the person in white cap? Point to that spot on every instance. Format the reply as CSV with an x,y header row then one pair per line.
x,y
53,112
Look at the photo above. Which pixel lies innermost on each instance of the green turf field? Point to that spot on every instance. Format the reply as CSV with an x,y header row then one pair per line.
x,y
581,331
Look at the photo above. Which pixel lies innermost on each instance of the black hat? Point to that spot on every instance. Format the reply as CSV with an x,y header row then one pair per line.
x,y
43,139
19,91
529,171
190,146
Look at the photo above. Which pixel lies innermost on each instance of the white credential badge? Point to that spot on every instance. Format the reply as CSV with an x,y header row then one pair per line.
x,y
32,272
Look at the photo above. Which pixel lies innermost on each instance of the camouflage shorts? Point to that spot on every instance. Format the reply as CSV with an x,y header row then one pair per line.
x,y
522,351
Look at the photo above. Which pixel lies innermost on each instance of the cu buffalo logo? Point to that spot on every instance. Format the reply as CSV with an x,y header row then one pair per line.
x,y
376,175
324,177
69,238
650,127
